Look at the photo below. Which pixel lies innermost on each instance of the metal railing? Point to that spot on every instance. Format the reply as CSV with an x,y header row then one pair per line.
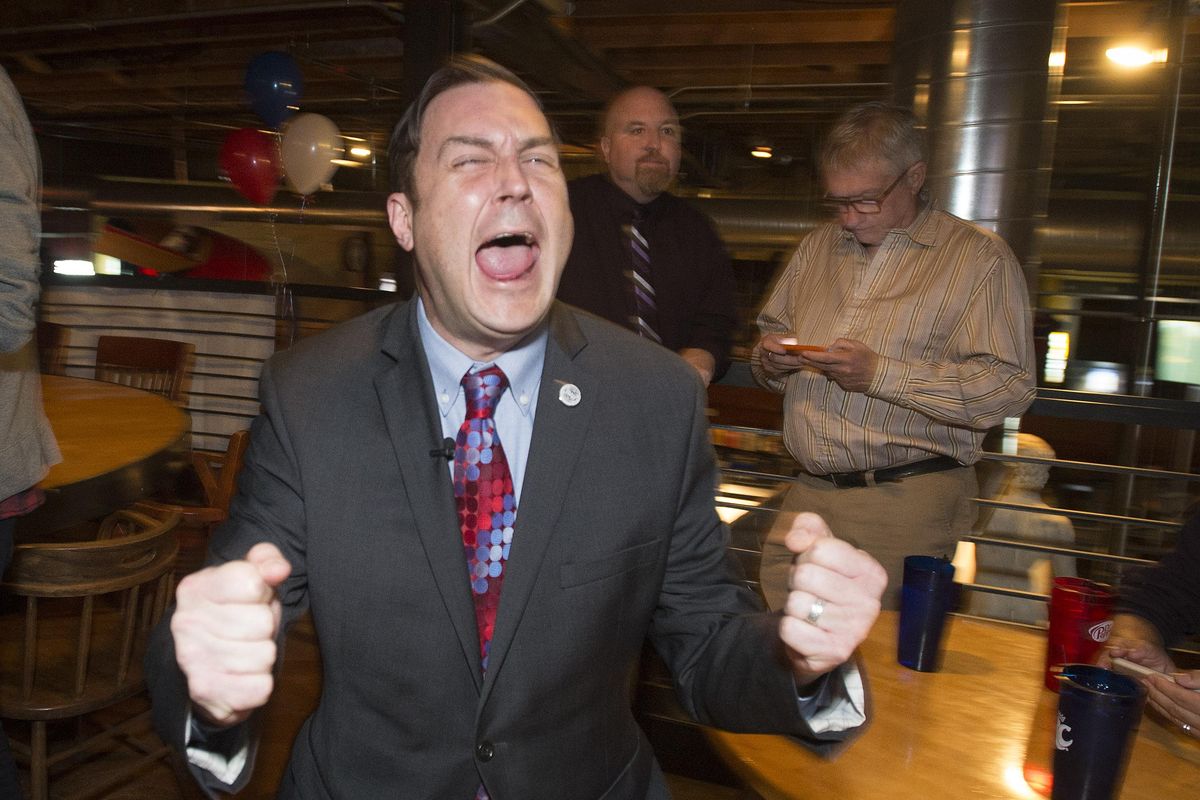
x,y
1115,529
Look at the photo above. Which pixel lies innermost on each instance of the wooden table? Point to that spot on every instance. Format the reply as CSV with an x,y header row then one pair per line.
x,y
118,444
961,732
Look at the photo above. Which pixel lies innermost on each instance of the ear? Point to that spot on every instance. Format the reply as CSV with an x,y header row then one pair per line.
x,y
605,147
916,176
400,219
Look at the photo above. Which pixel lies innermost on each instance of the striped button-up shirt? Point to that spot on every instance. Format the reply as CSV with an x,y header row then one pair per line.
x,y
944,305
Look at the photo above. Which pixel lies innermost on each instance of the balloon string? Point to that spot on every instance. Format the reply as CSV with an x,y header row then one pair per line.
x,y
285,305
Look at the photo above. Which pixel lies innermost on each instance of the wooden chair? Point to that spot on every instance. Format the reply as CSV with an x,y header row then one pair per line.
x,y
52,347
156,365
76,647
217,475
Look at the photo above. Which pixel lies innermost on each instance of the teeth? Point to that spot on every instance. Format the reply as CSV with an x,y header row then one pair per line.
x,y
511,239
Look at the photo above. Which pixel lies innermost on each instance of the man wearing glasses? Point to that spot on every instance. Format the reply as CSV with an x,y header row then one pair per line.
x,y
898,334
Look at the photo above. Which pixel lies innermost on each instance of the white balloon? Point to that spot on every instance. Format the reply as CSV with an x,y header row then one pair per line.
x,y
310,144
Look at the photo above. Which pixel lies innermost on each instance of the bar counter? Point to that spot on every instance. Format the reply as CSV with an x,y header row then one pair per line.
x,y
961,732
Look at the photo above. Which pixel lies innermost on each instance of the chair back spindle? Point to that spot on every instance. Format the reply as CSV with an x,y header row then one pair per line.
x,y
89,607
52,347
155,365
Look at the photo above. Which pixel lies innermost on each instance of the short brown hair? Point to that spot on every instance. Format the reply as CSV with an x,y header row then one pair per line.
x,y
873,131
460,70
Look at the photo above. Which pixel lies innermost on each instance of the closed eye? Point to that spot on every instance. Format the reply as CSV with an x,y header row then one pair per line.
x,y
468,161
541,159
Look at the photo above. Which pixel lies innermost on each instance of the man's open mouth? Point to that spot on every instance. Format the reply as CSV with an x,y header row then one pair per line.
x,y
508,255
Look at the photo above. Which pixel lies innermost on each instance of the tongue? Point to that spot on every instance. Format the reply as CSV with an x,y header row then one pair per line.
x,y
504,263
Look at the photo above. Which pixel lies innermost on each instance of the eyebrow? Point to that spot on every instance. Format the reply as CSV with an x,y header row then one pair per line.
x,y
670,121
487,144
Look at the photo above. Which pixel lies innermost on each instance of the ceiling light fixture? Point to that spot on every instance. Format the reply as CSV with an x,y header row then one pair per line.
x,y
761,151
1135,56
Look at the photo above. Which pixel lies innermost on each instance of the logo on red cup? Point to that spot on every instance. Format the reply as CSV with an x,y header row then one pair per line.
x,y
1100,631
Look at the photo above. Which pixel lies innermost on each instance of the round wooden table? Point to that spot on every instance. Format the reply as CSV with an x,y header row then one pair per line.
x,y
118,444
969,730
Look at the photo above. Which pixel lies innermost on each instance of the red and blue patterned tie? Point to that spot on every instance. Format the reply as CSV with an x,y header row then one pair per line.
x,y
483,495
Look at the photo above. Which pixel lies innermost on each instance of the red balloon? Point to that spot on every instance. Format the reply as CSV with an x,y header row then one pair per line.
x,y
250,159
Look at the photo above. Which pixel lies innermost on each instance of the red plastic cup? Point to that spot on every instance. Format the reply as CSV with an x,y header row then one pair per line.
x,y
1080,621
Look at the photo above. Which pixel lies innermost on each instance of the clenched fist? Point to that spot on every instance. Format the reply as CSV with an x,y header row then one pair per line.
x,y
225,623
834,592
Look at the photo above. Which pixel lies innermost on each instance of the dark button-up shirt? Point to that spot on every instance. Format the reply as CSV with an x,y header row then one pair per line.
x,y
691,272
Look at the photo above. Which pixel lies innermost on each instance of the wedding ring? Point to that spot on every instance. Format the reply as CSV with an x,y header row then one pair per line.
x,y
1186,728
815,611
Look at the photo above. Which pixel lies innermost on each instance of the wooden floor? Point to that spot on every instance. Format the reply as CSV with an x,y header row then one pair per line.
x,y
295,697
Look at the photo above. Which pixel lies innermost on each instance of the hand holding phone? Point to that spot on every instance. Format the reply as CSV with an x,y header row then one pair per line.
x,y
792,345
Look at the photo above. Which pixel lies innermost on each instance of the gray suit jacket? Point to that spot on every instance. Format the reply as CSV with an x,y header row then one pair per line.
x,y
616,539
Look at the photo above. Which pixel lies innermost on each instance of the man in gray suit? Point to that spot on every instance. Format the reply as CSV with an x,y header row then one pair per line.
x,y
347,506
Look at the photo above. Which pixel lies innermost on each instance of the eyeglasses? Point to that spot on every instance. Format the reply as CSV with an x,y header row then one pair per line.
x,y
863,205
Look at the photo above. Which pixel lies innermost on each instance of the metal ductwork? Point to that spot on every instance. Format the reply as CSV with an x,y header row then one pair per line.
x,y
1082,230
977,72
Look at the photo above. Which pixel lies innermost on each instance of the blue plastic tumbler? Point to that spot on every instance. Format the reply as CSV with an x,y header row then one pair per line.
x,y
1098,713
924,600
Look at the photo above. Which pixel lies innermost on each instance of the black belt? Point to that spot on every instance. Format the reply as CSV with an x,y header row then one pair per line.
x,y
870,477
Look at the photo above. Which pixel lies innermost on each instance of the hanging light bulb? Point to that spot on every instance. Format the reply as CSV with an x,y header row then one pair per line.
x,y
1133,56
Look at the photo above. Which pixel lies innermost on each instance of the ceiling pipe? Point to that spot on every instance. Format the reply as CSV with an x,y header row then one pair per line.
x,y
91,26
499,15
983,77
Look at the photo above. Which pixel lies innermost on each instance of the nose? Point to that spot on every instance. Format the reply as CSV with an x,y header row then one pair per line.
x,y
513,183
847,214
653,141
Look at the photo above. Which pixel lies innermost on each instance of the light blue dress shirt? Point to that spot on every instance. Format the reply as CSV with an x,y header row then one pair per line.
x,y
517,406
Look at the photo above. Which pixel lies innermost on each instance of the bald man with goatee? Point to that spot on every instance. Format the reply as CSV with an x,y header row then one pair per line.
x,y
626,222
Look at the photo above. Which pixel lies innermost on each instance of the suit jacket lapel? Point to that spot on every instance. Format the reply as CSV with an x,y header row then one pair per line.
x,y
558,434
406,397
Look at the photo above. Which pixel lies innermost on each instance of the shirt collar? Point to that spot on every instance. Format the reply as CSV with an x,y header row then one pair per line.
x,y
626,206
447,365
924,228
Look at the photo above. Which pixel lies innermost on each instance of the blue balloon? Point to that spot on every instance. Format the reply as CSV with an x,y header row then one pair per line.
x,y
274,82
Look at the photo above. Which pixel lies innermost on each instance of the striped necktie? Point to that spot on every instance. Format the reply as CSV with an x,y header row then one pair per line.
x,y
645,306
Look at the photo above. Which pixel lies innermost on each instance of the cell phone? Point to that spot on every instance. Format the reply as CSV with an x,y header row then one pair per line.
x,y
792,345
1135,670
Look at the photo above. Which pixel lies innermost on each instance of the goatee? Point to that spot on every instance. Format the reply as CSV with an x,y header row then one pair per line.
x,y
652,179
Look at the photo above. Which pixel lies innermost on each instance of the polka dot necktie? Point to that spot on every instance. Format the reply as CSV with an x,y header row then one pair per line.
x,y
483,495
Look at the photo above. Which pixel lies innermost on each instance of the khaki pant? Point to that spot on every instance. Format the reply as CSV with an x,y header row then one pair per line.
x,y
921,515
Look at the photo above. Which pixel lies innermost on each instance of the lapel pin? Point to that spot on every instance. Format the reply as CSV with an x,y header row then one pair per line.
x,y
568,395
